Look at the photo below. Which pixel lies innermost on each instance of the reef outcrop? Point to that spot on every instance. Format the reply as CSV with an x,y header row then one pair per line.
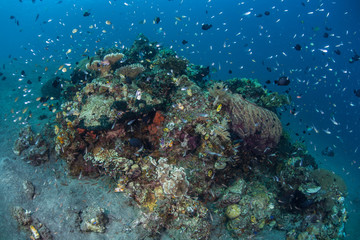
x,y
174,142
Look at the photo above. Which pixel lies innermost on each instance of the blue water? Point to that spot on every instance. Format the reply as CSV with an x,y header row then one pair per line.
x,y
322,82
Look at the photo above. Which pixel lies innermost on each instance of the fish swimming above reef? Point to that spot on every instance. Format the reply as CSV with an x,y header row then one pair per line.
x,y
86,14
184,42
337,51
156,20
357,92
206,26
283,81
354,58
297,47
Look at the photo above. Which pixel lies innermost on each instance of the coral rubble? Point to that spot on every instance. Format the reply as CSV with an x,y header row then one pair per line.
x,y
33,148
35,228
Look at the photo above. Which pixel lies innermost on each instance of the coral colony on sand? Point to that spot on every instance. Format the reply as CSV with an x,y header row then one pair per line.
x,y
188,150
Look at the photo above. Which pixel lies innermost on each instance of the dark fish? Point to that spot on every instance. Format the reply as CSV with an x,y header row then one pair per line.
x,y
86,14
206,26
23,74
156,20
259,15
357,93
56,82
288,124
326,35
29,82
354,58
33,1
135,142
268,69
39,78
297,47
12,17
267,13
20,1
230,71
303,4
59,2
17,22
1,74
268,82
337,51
43,99
184,42
37,17
328,28
3,78
283,81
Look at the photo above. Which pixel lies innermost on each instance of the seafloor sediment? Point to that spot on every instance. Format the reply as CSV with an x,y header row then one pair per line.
x,y
191,154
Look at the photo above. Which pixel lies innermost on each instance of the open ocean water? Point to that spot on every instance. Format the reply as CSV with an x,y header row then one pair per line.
x,y
314,43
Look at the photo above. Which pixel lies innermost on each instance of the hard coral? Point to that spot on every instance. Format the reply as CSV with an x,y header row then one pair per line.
x,y
105,66
172,179
131,71
258,127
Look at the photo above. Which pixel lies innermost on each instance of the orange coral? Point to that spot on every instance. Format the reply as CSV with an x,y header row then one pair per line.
x,y
152,129
157,121
81,130
115,133
91,134
158,118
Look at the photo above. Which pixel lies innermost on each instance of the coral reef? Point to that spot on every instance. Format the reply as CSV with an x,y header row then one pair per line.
x,y
174,143
33,148
253,91
248,213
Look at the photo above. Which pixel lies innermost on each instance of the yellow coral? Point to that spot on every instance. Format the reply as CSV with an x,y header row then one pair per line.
x,y
60,139
150,201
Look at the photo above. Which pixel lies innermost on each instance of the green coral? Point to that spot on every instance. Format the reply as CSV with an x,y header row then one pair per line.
x,y
274,100
168,60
